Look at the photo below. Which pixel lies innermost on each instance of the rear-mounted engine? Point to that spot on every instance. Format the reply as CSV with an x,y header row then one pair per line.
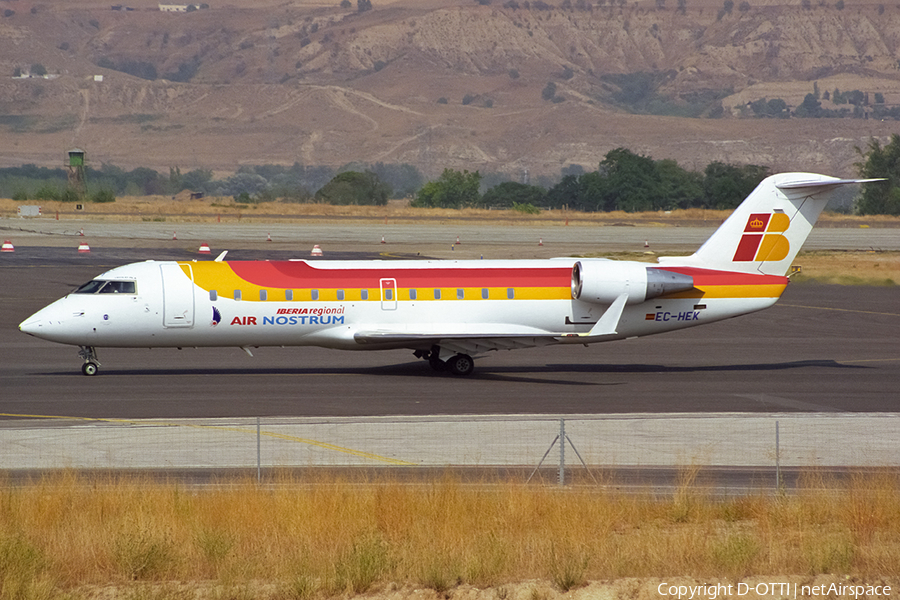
x,y
602,281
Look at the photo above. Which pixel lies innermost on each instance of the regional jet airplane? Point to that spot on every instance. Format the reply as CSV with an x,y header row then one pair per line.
x,y
446,311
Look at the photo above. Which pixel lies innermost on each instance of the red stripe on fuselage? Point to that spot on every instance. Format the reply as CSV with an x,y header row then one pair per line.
x,y
297,274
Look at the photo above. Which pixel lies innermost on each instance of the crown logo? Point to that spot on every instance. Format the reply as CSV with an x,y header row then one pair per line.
x,y
756,223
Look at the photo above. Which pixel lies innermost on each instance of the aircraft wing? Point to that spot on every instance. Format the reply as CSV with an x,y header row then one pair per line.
x,y
463,343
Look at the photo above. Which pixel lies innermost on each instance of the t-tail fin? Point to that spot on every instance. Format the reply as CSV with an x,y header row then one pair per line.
x,y
765,233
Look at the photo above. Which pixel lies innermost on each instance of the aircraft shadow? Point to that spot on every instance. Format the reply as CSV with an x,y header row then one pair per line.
x,y
483,372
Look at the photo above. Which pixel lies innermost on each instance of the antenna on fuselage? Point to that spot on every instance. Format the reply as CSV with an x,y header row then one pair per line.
x,y
221,257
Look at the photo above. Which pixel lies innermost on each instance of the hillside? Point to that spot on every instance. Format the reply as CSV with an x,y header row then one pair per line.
x,y
268,82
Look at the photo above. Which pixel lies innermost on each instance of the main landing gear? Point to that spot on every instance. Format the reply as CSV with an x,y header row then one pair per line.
x,y
459,364
91,364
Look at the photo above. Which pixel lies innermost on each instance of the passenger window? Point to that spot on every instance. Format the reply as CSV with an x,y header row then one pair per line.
x,y
484,293
340,294
237,294
288,294
315,294
213,295
412,294
460,294
263,294
510,293
364,294
437,294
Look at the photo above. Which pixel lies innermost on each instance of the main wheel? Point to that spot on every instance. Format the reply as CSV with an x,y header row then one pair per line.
x,y
89,369
461,364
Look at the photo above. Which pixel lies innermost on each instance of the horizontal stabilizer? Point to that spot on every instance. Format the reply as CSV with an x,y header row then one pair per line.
x,y
797,185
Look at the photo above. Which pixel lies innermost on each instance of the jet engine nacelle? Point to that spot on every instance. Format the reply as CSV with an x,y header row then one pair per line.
x,y
602,281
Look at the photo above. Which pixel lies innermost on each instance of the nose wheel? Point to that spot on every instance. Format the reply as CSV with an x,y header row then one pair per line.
x,y
89,368
91,364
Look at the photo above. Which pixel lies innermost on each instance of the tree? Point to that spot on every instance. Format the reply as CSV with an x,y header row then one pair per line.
x,y
549,91
510,193
632,181
353,187
725,186
38,70
453,189
810,107
363,5
856,97
884,197
245,185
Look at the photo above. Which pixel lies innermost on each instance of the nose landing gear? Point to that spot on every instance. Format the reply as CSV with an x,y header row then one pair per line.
x,y
91,364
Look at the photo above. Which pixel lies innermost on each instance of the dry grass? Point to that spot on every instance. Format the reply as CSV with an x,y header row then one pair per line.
x,y
137,208
849,267
67,534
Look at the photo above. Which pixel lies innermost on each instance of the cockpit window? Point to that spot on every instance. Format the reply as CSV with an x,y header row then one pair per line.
x,y
91,287
101,286
118,287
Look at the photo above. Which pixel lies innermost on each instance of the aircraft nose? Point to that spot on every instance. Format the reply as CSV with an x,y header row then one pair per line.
x,y
32,325
44,323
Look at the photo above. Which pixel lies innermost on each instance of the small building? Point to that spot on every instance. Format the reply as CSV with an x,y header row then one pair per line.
x,y
174,7
75,169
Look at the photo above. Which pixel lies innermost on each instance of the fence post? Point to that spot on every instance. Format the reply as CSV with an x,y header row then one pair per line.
x,y
562,452
777,458
258,454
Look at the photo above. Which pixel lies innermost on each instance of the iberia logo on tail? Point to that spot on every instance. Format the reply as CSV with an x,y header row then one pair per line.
x,y
764,239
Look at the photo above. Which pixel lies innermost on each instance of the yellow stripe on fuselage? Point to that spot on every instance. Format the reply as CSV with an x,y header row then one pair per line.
x,y
732,291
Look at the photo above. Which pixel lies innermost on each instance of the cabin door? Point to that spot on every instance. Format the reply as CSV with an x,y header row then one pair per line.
x,y
388,294
178,295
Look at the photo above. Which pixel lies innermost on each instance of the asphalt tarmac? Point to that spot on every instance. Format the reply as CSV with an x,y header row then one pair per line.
x,y
822,348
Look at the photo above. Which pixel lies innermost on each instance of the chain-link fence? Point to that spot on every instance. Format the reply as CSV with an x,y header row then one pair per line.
x,y
520,444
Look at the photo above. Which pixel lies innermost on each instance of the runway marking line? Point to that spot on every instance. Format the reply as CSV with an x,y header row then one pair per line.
x,y
850,310
281,436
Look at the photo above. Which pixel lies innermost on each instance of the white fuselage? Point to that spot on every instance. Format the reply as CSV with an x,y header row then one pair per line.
x,y
176,304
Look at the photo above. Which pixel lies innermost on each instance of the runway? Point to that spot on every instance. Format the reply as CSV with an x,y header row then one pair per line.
x,y
820,349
